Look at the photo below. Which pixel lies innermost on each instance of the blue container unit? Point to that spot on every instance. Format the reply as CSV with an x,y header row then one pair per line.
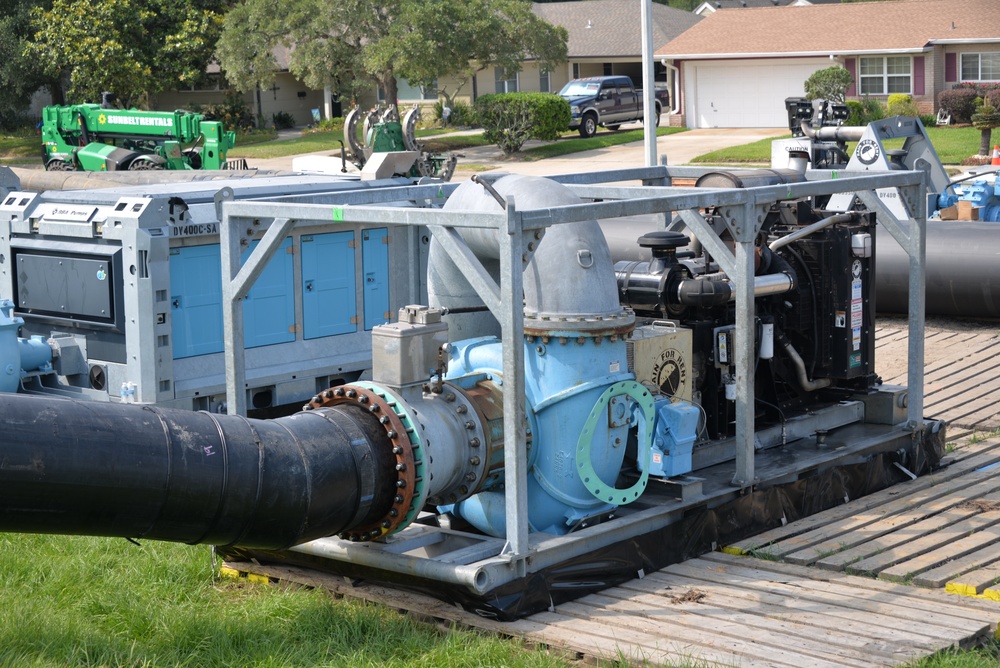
x,y
328,288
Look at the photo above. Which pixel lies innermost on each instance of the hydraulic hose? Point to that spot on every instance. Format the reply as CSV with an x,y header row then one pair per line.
x,y
87,468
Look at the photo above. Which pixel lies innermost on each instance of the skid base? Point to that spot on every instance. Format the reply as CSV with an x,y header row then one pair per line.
x,y
472,570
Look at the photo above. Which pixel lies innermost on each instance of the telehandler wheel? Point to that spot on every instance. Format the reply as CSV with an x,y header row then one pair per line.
x,y
59,166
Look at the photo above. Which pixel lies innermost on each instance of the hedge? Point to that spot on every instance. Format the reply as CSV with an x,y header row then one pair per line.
x,y
507,117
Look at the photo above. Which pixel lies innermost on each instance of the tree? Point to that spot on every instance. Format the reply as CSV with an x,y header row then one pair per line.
x,y
830,84
351,45
133,48
20,75
984,120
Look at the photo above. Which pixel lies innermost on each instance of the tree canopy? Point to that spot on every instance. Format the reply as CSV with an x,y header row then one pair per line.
x,y
350,45
133,48
20,75
829,84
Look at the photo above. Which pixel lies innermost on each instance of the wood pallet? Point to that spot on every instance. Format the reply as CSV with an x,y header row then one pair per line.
x,y
938,531
720,609
961,382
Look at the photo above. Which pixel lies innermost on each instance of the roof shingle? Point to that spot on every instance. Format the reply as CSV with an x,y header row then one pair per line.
x,y
860,27
614,26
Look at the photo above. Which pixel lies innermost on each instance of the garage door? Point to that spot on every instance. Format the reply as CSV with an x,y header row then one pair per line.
x,y
741,94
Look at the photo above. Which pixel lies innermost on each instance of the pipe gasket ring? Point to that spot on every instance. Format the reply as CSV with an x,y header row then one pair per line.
x,y
406,448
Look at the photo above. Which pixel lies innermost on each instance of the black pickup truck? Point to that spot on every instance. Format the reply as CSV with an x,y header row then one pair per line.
x,y
608,101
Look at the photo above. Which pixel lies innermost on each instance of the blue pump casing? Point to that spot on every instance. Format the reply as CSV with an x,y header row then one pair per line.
x,y
565,377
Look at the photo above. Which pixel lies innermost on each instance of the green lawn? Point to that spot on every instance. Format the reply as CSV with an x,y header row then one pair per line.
x,y
17,148
70,601
75,601
952,145
573,143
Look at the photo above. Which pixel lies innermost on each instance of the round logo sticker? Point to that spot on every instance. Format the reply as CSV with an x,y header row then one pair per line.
x,y
101,274
867,151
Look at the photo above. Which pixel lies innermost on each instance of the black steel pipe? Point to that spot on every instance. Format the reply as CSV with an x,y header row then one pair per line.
x,y
87,468
963,275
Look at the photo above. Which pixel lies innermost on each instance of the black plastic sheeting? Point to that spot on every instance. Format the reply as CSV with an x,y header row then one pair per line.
x,y
701,530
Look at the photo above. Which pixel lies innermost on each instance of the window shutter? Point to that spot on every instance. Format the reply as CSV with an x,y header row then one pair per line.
x,y
918,75
951,67
851,65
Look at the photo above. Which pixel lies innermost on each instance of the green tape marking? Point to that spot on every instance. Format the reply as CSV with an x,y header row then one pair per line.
x,y
338,214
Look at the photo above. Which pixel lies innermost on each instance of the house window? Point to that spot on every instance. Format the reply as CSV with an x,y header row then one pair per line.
x,y
543,80
506,82
981,66
883,76
608,69
407,92
576,70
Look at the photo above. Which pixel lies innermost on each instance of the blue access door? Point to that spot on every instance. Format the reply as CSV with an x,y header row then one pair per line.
x,y
269,308
329,298
196,300
375,265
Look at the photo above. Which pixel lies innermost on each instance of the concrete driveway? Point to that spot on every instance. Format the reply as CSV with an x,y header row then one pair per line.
x,y
679,148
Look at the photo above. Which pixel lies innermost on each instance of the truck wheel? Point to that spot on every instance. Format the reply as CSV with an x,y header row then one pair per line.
x,y
588,125
612,127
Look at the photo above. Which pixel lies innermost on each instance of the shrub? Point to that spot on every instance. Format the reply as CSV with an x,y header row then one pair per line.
x,y
900,104
985,119
829,84
856,112
234,112
959,102
871,110
928,120
282,120
510,119
331,124
462,114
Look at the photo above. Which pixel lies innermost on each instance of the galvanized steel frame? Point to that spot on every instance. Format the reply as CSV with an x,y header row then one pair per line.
x,y
742,209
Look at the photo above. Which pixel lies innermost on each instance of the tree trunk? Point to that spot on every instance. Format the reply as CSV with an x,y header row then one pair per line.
x,y
984,141
391,91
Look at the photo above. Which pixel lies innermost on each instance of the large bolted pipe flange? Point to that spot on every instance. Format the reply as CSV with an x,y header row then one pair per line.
x,y
411,490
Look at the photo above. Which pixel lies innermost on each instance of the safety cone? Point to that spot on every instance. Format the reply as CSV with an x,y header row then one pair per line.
x,y
996,156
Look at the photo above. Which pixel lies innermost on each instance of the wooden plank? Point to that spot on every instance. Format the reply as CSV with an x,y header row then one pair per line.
x,y
712,612
989,453
945,354
782,604
964,386
617,622
779,607
975,582
944,604
986,418
952,570
955,552
614,642
909,494
842,601
854,544
844,558
879,562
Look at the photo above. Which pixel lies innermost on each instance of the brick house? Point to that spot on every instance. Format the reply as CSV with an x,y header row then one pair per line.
x,y
737,66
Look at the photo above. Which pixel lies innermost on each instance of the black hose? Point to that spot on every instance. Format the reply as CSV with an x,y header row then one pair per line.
x,y
692,292
86,468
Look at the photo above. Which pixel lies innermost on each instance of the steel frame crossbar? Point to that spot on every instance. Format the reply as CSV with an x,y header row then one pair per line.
x,y
743,211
